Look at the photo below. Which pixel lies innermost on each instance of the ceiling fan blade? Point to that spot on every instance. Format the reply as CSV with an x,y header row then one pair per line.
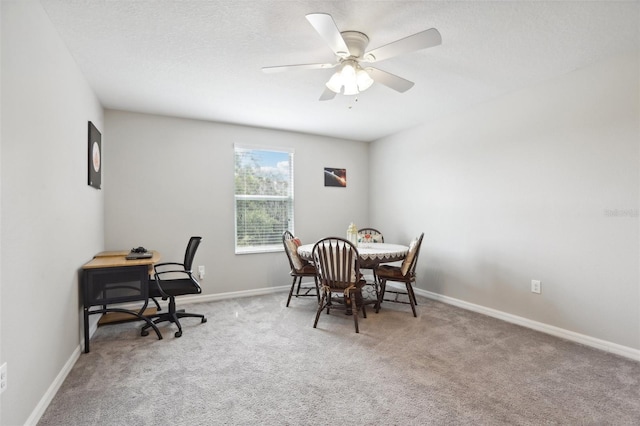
x,y
392,81
327,95
421,40
282,68
327,28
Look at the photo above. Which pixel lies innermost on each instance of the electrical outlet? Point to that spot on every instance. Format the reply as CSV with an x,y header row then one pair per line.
x,y
3,377
201,272
536,286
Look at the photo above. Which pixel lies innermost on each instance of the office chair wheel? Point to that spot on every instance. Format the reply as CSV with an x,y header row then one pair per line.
x,y
144,333
203,320
178,333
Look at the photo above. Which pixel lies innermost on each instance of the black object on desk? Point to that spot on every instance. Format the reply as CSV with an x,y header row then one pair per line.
x,y
108,279
133,256
139,253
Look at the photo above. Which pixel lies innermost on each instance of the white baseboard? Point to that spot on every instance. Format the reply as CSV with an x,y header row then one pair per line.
x,y
583,339
201,298
44,402
34,418
233,294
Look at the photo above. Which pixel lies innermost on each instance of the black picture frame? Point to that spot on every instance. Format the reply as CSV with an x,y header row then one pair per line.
x,y
335,177
95,157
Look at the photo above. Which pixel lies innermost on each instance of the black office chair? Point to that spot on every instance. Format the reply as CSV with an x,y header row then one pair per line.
x,y
173,279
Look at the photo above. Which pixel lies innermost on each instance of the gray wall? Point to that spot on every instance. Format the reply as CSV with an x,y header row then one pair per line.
x,y
169,178
52,221
542,184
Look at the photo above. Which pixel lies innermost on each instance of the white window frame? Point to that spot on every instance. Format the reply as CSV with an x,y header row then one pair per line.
x,y
274,246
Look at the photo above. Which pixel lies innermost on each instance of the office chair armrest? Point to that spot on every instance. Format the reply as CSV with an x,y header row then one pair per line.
x,y
173,270
156,283
179,274
160,268
158,280
158,274
164,264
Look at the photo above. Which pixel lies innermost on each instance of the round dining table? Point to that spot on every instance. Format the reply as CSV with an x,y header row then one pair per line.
x,y
370,254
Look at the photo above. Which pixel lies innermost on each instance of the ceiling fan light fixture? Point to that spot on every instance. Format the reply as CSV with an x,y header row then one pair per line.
x,y
335,82
364,80
351,87
348,71
352,77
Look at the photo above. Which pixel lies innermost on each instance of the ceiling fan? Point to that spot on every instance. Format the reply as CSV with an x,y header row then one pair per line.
x,y
349,47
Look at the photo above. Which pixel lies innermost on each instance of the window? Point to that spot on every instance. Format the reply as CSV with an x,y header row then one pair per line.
x,y
263,198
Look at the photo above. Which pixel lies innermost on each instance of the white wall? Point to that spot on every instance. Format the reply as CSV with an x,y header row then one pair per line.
x,y
169,178
542,184
52,222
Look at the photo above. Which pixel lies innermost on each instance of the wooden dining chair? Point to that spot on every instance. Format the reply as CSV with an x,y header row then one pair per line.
x,y
300,269
370,236
405,273
338,265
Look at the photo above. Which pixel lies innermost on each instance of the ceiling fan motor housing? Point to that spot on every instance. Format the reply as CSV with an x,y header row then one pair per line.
x,y
356,42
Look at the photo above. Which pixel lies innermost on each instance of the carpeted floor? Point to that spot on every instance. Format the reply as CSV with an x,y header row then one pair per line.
x,y
257,362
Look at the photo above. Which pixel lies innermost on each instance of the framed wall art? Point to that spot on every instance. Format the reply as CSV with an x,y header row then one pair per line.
x,y
95,157
335,177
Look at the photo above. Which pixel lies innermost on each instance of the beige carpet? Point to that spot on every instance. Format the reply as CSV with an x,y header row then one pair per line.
x,y
257,362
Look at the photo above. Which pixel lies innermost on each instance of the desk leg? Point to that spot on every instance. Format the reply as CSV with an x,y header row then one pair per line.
x,y
86,330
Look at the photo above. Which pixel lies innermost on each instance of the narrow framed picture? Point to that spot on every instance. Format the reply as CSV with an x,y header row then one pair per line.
x,y
335,177
95,157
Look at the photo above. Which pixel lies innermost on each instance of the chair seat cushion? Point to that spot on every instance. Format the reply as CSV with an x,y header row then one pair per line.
x,y
337,287
176,287
389,272
292,248
406,263
307,269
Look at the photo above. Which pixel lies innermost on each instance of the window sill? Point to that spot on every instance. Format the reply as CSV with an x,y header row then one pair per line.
x,y
255,250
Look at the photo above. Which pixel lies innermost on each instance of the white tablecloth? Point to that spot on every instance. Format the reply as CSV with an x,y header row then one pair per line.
x,y
370,252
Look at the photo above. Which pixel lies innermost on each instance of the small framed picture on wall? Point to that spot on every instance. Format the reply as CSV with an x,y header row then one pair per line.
x,y
95,157
335,177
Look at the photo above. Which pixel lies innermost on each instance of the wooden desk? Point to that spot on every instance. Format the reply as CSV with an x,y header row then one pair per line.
x,y
110,278
112,259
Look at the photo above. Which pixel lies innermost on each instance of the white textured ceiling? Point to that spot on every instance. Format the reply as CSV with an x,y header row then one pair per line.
x,y
202,59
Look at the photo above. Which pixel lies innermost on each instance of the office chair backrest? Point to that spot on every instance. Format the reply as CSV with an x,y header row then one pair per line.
x,y
192,247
